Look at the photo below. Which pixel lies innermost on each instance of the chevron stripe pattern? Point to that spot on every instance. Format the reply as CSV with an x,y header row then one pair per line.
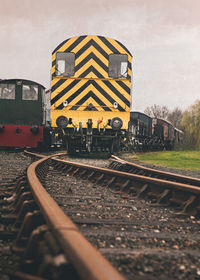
x,y
91,85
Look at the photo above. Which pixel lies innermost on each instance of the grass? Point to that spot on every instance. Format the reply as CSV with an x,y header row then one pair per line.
x,y
189,160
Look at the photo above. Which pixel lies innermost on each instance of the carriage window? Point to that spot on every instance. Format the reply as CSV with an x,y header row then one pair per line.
x,y
65,64
118,65
30,92
7,91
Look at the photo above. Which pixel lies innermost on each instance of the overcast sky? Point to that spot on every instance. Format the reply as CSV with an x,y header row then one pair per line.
x,y
162,35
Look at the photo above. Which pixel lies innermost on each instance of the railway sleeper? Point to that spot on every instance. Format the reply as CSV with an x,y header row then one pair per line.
x,y
132,191
101,178
17,218
83,173
143,191
91,175
75,171
30,222
179,197
69,169
121,186
111,182
191,206
16,201
15,190
125,186
163,199
44,258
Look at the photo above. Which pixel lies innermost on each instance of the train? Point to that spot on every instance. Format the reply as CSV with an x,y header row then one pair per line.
x,y
148,133
88,108
91,94
23,122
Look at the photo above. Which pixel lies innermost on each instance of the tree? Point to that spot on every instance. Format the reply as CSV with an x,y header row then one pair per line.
x,y
157,111
191,124
175,117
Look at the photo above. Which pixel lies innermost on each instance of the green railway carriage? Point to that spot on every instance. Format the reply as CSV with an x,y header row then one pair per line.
x,y
91,92
22,122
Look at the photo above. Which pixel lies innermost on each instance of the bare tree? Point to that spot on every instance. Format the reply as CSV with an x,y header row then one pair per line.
x,y
157,111
175,117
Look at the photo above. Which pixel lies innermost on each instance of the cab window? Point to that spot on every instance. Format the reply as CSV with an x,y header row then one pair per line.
x,y
65,64
7,91
118,66
29,92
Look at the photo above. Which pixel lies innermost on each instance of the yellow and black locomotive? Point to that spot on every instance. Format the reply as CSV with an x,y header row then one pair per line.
x,y
91,93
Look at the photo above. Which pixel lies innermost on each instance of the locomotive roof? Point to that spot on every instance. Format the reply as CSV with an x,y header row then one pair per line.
x,y
137,112
79,38
23,80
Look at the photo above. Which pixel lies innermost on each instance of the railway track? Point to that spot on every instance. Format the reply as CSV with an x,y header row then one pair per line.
x,y
169,189
50,242
130,167
140,240
101,202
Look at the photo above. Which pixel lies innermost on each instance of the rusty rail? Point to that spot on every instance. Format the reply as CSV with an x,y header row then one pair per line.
x,y
165,192
88,262
140,178
126,166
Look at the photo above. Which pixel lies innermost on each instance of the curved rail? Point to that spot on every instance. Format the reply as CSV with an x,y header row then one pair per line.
x,y
88,262
140,178
186,196
130,166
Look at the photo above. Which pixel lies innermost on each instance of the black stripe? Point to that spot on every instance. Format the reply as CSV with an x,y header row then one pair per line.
x,y
91,69
117,93
95,45
87,96
59,83
125,49
96,59
65,90
84,48
109,45
70,48
80,90
124,86
106,95
76,43
75,94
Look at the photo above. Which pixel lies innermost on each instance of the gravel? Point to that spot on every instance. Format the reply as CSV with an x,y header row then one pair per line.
x,y
142,241
12,164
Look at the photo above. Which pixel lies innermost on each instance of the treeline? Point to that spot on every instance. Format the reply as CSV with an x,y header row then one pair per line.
x,y
188,121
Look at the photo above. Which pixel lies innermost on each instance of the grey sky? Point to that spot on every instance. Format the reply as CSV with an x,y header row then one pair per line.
x,y
163,36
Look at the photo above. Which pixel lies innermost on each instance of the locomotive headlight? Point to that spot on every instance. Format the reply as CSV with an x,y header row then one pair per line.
x,y
62,121
115,105
65,103
34,129
116,123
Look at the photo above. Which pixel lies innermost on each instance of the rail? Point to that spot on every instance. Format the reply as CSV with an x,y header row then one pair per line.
x,y
88,262
130,166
